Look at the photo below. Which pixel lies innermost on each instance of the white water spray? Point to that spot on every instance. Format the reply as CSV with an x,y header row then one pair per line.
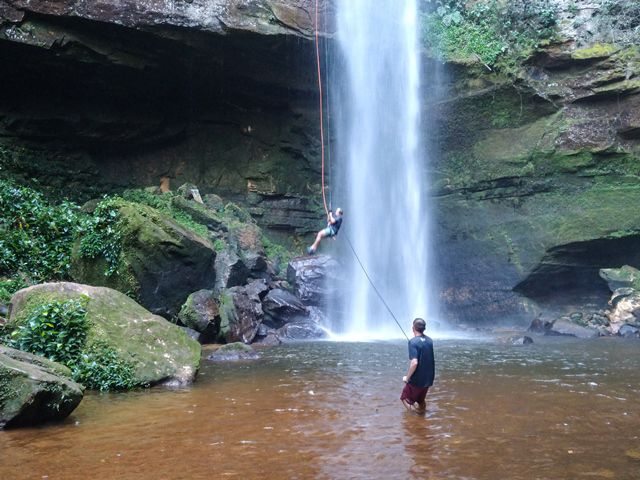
x,y
384,173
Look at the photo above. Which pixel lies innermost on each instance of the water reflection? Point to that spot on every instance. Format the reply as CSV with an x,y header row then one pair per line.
x,y
554,410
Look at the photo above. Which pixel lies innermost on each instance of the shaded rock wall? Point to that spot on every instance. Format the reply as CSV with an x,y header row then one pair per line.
x,y
103,96
537,184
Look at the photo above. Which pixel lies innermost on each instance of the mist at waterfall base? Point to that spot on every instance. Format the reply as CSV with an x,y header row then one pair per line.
x,y
380,172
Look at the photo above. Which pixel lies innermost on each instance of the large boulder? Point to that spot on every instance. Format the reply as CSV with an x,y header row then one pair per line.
x,y
281,306
34,390
230,270
159,351
161,263
314,279
241,311
623,277
625,311
201,313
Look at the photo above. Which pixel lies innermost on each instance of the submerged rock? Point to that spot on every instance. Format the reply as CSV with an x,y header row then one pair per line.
x,y
34,390
520,340
233,352
302,330
629,331
159,351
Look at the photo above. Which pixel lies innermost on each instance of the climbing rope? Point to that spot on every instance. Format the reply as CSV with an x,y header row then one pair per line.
x,y
324,197
374,287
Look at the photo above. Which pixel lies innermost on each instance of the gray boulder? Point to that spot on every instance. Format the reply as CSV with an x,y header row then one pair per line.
x,y
201,313
241,312
231,270
314,279
281,306
302,330
629,331
34,390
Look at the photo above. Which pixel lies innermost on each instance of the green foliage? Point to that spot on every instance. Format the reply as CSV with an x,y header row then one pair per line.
x,y
100,368
56,330
163,203
494,32
102,234
9,286
278,255
36,237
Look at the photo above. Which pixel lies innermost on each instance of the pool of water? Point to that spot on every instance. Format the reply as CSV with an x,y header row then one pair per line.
x,y
558,409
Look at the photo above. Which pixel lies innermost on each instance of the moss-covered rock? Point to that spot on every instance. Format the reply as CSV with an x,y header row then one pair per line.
x,y
201,313
159,350
161,263
241,312
34,390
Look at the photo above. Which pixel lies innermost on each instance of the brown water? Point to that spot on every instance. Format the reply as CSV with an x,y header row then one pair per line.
x,y
558,409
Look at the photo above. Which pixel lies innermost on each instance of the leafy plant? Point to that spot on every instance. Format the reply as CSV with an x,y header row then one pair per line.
x,y
491,31
36,237
102,234
56,330
99,367
9,286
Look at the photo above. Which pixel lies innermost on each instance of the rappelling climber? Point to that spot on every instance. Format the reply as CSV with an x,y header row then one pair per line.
x,y
333,226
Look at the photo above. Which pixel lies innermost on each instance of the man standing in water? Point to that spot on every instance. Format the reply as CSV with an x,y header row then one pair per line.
x,y
333,226
421,369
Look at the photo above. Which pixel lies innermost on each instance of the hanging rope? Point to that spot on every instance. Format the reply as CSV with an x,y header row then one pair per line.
x,y
374,287
324,196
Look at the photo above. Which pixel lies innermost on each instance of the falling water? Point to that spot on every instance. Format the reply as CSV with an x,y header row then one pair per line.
x,y
384,179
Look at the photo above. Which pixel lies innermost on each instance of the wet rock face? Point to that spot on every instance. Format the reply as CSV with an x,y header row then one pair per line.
x,y
535,184
281,306
241,312
315,279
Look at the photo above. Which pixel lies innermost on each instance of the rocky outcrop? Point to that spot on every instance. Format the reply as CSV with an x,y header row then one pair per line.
x,y
314,279
536,189
34,390
161,262
241,312
159,351
281,306
201,313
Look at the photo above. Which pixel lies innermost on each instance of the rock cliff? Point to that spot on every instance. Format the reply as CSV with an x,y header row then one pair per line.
x,y
535,170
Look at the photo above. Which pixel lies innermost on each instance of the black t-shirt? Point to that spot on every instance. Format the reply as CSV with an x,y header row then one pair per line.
x,y
338,221
421,347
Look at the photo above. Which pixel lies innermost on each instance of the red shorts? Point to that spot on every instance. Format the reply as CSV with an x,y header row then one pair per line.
x,y
412,394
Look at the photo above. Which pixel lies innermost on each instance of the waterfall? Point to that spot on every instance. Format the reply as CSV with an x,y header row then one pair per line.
x,y
383,166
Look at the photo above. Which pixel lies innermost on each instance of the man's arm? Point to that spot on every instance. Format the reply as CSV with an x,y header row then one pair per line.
x,y
413,364
330,218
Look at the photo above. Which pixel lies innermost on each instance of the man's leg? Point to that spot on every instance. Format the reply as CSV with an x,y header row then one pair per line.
x,y
319,237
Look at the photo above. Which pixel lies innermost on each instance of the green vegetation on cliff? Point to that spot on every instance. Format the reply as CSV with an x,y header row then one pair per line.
x,y
495,33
